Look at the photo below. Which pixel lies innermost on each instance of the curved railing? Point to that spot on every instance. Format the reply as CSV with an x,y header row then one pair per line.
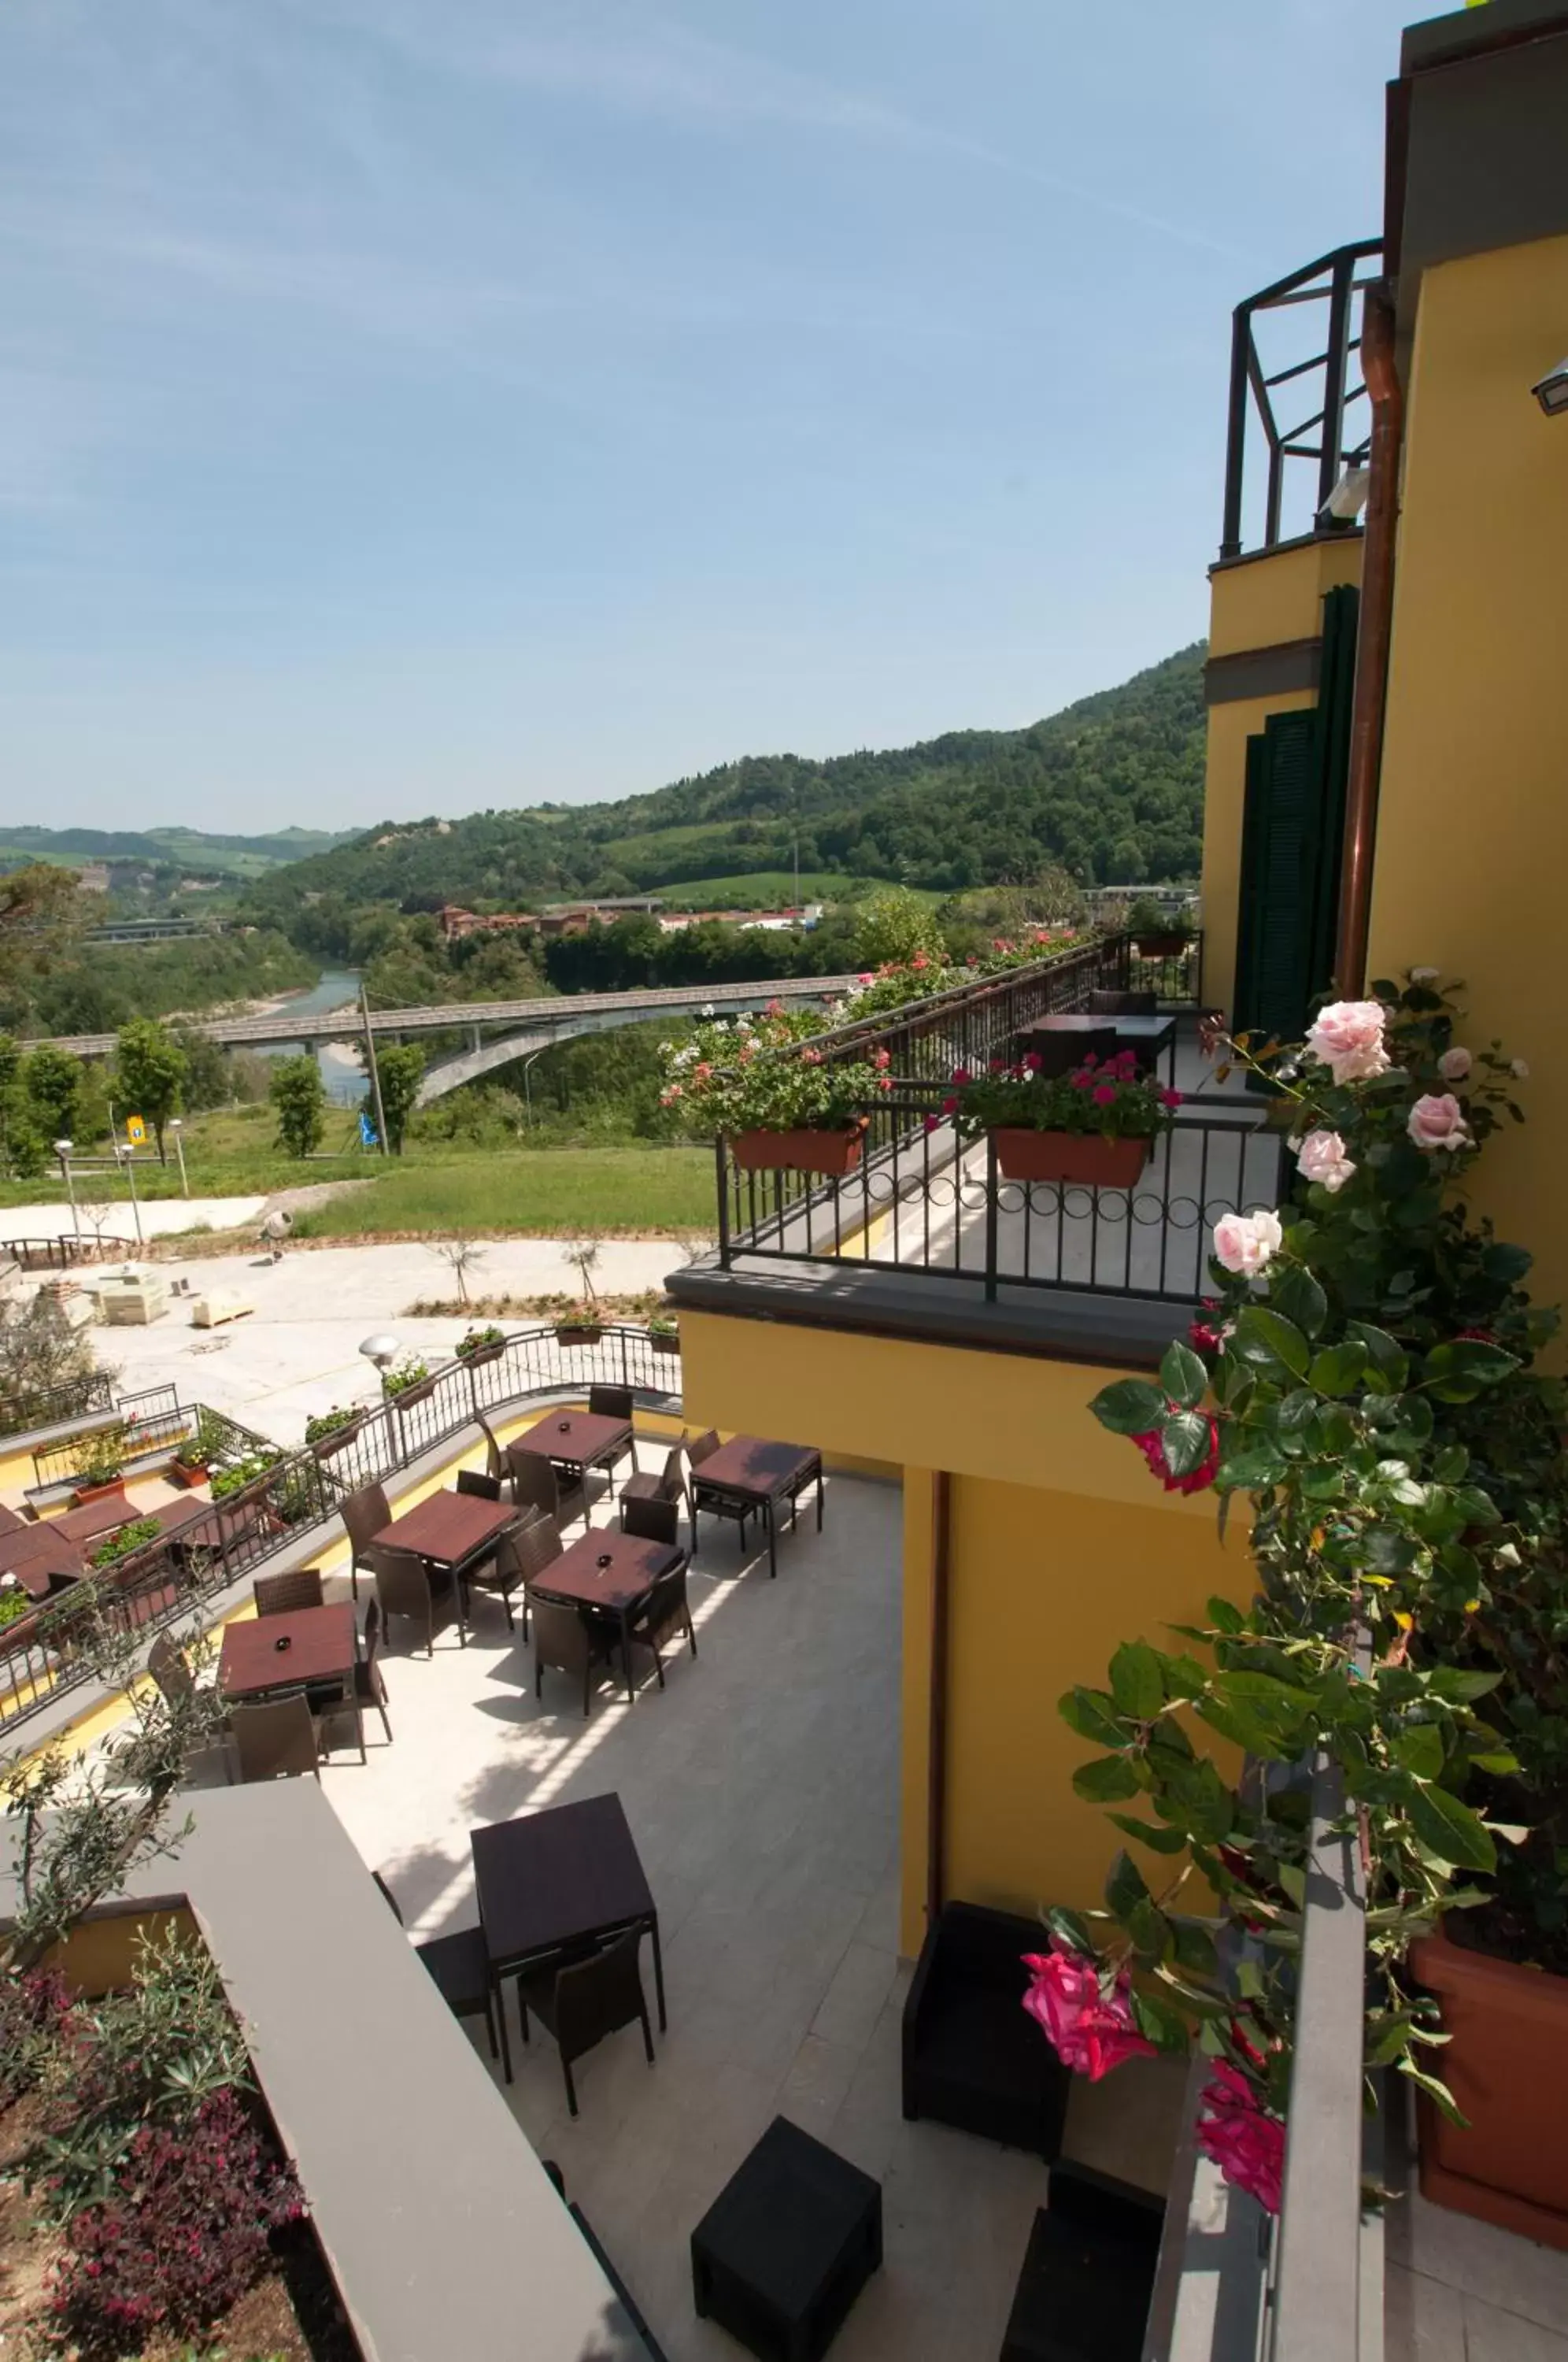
x,y
46,1652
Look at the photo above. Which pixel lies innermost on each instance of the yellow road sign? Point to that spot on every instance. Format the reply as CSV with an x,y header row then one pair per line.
x,y
136,1131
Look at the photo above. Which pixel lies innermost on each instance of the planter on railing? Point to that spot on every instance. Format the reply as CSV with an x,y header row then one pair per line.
x,y
339,1438
664,1341
1507,2065
108,1489
800,1151
579,1332
1085,1160
1169,947
408,1398
476,1357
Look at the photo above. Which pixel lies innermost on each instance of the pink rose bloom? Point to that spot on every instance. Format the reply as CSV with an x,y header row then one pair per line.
x,y
1438,1122
1247,2146
1321,1157
1247,1243
1455,1064
1197,1480
1105,1095
1089,2031
1348,1039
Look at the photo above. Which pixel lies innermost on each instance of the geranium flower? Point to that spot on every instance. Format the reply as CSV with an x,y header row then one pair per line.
x,y
1169,1098
1198,1480
1032,1062
1246,2144
962,1074
1091,2031
1105,1094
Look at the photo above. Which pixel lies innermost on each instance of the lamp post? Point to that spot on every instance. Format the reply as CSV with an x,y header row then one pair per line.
x,y
527,1093
383,1350
126,1157
62,1150
178,1128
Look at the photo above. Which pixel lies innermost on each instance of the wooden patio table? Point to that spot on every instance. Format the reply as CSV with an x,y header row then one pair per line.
x,y
576,1441
752,1471
631,1567
567,1875
451,1531
320,1645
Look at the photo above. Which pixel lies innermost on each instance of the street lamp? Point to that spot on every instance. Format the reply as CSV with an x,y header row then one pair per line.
x,y
178,1128
383,1350
62,1150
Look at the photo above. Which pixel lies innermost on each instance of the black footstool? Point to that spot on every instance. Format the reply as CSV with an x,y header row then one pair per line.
x,y
1083,2293
787,2246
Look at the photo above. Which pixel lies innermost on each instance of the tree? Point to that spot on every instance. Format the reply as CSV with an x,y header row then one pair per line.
x,y
154,1070
39,912
52,1080
299,1094
894,925
208,1081
400,1071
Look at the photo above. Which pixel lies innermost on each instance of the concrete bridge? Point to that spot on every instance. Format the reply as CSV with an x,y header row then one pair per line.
x,y
497,1031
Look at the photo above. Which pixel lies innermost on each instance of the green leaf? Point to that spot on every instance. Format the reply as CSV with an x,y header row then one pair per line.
x,y
1224,1614
1136,1682
1067,1925
1148,1833
1194,1948
1184,1375
1450,1829
1124,1884
1337,1369
1385,1550
1132,1407
1435,2090
1109,1780
1091,1714
1158,2023
1187,1439
1253,1469
1150,1932
1458,1687
1419,1749
1458,1371
1293,1291
1504,1263
1268,1342
1383,1354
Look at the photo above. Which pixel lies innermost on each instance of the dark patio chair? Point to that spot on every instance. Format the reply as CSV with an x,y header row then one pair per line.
x,y
537,1485
570,1643
274,1739
405,1586
494,1455
281,1594
370,1683
506,1571
584,2001
169,1670
388,1898
460,1968
669,1487
474,1480
1061,1053
702,1446
613,1402
364,1515
651,1521
1122,1004
663,1613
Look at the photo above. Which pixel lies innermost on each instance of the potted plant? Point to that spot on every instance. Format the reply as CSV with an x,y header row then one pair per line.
x,y
779,1101
129,1539
481,1345
1091,1128
101,1471
1156,933
189,1466
327,1432
409,1381
663,1332
580,1325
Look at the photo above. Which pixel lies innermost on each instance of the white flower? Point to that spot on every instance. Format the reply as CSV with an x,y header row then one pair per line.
x,y
1455,1064
1322,1158
1247,1243
1518,1066
1438,1122
707,1010
1423,975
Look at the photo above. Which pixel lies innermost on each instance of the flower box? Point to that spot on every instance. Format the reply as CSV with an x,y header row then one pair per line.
x,y
1170,946
105,1491
801,1151
421,1391
664,1341
187,1473
476,1357
1506,2066
579,1332
339,1438
1082,1159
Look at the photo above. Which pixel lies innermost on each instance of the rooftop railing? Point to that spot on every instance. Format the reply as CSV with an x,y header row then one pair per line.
x,y
30,1407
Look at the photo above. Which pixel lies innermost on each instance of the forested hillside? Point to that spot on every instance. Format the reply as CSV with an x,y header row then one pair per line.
x,y
1112,787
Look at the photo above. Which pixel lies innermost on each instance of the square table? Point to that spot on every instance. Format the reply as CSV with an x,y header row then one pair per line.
x,y
324,1646
1149,1037
38,1556
749,1471
576,1441
634,1567
787,2246
566,1875
450,1530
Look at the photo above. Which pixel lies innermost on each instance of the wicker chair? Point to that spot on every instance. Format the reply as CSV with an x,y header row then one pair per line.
x,y
169,1670
584,2001
1122,1004
370,1683
571,1643
282,1595
670,1486
475,1480
460,1968
650,1521
406,1587
494,1454
662,1615
364,1514
536,1485
274,1740
614,1402
506,1571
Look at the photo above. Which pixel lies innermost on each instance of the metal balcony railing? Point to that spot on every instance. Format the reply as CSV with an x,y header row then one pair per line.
x,y
37,1406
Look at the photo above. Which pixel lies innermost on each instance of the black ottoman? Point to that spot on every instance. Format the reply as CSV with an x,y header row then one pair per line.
x,y
1083,2293
787,2246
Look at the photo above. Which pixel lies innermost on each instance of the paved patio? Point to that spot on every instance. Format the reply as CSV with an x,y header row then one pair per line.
x,y
761,1788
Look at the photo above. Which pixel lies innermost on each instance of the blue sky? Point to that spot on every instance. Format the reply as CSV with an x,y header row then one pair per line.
x,y
416,405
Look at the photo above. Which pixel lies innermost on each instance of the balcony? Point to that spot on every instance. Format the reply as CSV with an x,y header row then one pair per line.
x,y
926,1236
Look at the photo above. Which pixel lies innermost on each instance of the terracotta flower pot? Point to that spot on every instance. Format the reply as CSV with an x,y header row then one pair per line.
x,y
1083,1159
800,1151
185,1477
1507,2065
83,1493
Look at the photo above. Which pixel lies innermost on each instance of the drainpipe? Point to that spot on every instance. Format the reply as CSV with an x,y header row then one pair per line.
x,y
1372,636
936,1736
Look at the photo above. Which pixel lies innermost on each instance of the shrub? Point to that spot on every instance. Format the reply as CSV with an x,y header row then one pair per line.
x,y
763,1073
184,2237
244,1472
103,1458
323,1423
14,1603
33,2010
134,1537
408,1370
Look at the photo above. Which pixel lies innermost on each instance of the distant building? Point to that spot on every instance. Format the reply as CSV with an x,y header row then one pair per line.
x,y
769,922
93,878
457,923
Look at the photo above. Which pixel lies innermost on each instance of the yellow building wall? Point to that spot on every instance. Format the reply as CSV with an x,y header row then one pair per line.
x,y
1261,603
1061,1546
1472,851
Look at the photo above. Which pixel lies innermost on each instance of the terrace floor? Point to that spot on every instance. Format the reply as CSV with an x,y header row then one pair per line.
x,y
761,1787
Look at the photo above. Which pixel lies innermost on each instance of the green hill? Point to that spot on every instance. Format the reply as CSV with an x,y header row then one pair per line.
x,y
1113,787
187,848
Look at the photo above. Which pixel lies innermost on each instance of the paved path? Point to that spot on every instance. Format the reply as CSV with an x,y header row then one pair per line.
x,y
158,1216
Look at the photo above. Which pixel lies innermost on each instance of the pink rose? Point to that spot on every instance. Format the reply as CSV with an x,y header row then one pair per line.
x,y
1321,1157
1247,2146
1438,1122
1455,1064
1348,1039
1198,1479
1247,1243
1091,2031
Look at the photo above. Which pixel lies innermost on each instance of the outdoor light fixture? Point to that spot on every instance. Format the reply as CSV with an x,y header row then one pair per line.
x,y
1552,392
1348,499
382,1349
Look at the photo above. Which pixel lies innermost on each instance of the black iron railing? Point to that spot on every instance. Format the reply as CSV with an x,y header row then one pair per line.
x,y
65,1253
38,1407
151,1422
1329,434
43,1654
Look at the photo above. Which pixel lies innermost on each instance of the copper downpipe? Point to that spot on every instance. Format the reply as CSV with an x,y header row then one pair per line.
x,y
1372,637
936,1733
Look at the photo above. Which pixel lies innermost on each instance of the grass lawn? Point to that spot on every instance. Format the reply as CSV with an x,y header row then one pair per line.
x,y
535,1191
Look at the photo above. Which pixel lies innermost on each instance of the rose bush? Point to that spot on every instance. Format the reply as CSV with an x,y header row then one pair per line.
x,y
763,1073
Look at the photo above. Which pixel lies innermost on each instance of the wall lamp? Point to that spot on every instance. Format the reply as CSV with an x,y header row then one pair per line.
x,y
1552,392
1348,499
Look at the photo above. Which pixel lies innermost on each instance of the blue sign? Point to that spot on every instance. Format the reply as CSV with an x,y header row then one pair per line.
x,y
367,1131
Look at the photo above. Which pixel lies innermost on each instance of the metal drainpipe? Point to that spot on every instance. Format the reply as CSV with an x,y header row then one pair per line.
x,y
1387,401
936,1738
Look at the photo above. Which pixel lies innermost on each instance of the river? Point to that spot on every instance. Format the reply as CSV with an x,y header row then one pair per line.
x,y
342,1070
